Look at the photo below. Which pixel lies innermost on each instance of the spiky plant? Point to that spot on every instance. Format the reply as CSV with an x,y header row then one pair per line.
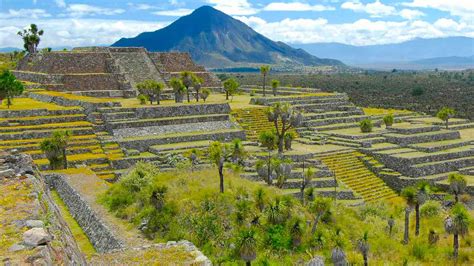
x,y
457,223
410,196
457,185
247,245
363,247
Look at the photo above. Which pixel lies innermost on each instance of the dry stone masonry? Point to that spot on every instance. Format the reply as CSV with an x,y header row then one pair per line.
x,y
107,72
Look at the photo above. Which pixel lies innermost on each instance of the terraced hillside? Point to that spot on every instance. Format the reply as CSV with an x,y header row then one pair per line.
x,y
354,173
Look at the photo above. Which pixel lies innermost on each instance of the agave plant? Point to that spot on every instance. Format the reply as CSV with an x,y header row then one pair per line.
x,y
457,224
363,247
247,245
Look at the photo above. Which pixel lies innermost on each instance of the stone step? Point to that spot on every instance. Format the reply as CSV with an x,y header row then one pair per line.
x,y
38,120
43,133
432,168
334,120
143,142
187,145
324,115
108,93
405,140
439,145
165,121
52,126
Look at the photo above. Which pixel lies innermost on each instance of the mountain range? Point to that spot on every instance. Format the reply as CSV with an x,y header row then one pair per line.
x,y
450,52
215,39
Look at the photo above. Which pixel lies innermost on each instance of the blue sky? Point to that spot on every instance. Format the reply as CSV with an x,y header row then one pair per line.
x,y
357,22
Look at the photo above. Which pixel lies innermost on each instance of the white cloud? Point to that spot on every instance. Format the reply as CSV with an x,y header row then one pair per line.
x,y
360,32
296,6
141,6
461,8
25,13
80,10
234,7
75,32
174,13
60,3
411,14
375,9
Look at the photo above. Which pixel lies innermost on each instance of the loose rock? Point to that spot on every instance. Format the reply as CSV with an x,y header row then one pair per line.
x,y
35,237
34,224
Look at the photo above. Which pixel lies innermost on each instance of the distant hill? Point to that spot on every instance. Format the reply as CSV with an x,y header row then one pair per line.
x,y
215,39
8,49
450,61
406,53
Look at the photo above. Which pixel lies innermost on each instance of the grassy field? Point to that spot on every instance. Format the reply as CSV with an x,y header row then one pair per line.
x,y
31,104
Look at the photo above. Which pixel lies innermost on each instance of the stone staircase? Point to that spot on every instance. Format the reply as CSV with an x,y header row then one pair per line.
x,y
136,65
354,174
25,130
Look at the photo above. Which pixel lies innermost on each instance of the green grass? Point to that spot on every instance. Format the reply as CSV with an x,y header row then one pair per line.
x,y
81,238
187,192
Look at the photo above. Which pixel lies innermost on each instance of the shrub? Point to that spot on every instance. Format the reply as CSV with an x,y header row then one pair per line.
x,y
142,99
253,92
417,91
205,93
430,209
268,139
289,137
366,125
388,120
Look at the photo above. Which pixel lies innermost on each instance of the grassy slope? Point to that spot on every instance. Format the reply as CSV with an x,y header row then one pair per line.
x,y
187,190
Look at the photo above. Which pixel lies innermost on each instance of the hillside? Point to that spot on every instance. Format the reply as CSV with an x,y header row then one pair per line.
x,y
215,39
407,52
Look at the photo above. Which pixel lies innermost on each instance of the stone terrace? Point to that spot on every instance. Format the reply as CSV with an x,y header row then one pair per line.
x,y
106,72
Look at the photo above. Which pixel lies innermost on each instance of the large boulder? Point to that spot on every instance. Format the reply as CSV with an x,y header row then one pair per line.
x,y
35,237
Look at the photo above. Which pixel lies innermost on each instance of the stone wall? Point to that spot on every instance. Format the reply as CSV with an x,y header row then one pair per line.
x,y
65,62
98,233
94,82
176,62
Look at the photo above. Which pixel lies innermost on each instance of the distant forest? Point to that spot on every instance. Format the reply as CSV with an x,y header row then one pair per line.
x,y
417,91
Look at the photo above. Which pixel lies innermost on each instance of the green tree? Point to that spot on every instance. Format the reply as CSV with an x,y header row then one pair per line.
x,y
410,196
31,38
9,87
422,196
205,93
457,224
55,149
247,245
445,114
275,85
284,117
363,247
197,84
178,89
230,87
457,185
264,71
220,153
187,79
151,89
318,208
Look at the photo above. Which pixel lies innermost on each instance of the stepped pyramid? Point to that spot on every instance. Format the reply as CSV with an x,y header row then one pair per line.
x,y
106,72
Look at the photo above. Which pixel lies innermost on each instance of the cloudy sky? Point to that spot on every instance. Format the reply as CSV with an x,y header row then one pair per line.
x,y
357,22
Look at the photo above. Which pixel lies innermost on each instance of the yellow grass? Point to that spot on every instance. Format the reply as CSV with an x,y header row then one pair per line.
x,y
382,111
29,104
